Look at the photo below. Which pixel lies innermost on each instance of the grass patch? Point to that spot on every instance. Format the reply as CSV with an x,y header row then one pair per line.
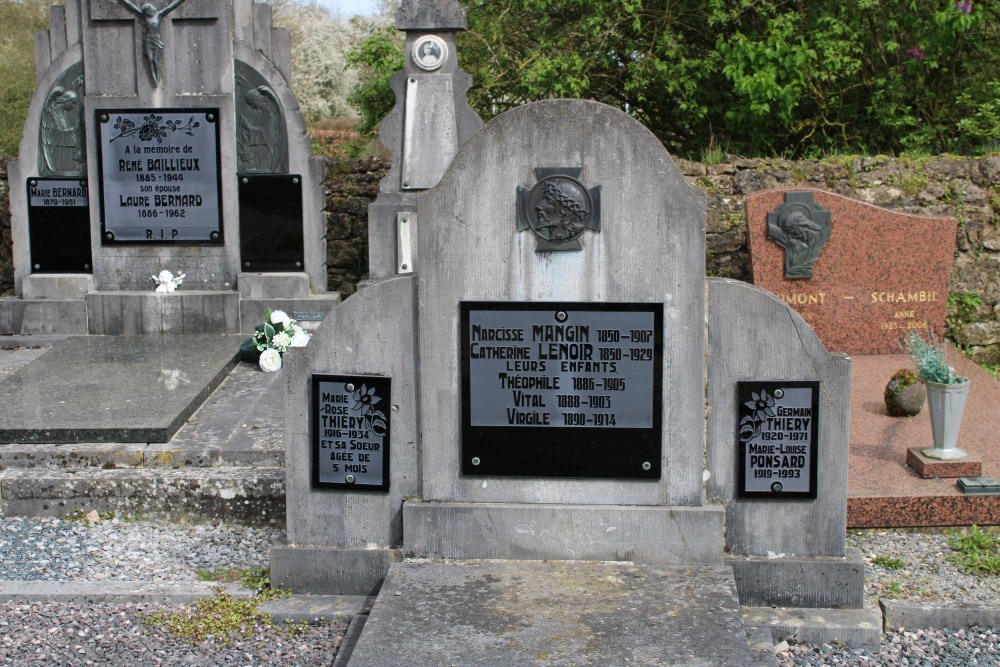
x,y
257,579
894,589
221,617
224,617
888,562
976,552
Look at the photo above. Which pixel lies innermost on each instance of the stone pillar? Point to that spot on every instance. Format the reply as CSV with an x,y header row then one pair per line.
x,y
430,121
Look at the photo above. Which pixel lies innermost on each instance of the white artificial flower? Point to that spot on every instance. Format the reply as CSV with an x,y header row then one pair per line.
x,y
300,339
281,341
270,360
280,317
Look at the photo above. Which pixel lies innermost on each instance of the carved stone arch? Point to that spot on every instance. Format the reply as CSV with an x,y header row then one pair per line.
x,y
26,164
300,161
72,56
62,140
261,130
298,143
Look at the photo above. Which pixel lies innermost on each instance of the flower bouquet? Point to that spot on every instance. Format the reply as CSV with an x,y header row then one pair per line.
x,y
278,333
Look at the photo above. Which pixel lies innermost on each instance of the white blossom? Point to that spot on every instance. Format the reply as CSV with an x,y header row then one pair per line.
x,y
270,360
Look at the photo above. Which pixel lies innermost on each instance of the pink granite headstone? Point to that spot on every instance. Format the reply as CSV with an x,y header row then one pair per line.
x,y
878,275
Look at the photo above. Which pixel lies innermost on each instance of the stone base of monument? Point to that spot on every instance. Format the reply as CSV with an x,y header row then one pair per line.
x,y
181,312
281,291
526,613
855,628
331,570
57,286
801,581
653,535
929,468
308,312
43,316
69,304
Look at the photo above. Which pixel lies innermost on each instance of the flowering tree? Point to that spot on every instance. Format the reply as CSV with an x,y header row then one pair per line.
x,y
319,42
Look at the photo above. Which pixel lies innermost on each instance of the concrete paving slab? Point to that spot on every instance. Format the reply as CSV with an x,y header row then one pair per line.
x,y
113,388
504,613
246,414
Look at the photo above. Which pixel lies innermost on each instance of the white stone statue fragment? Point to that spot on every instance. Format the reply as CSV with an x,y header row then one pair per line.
x,y
166,282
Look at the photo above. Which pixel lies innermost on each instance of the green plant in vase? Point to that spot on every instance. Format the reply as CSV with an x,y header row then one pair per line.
x,y
947,390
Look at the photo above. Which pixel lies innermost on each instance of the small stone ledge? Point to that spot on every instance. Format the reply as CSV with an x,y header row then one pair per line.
x,y
856,628
899,614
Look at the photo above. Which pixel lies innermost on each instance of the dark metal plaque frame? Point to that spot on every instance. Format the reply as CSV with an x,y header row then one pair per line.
x,y
557,450
271,237
59,231
382,387
216,236
745,392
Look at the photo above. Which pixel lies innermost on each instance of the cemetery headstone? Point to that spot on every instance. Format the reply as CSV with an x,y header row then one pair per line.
x,y
861,276
547,361
164,136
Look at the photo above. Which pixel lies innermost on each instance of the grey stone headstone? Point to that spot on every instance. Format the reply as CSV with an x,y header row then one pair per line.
x,y
752,335
651,248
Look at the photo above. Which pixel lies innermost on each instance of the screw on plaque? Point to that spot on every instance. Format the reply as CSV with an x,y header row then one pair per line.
x,y
778,393
475,460
33,183
349,387
561,316
646,465
350,479
777,487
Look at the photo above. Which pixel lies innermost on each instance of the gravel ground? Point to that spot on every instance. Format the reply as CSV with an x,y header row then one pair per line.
x,y
70,634
118,634
37,633
926,575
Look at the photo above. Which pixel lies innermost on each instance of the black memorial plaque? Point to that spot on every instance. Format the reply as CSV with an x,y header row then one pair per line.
x,y
562,389
350,423
159,172
777,438
271,222
59,225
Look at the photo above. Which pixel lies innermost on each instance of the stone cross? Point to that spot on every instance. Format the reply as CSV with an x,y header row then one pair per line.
x,y
151,20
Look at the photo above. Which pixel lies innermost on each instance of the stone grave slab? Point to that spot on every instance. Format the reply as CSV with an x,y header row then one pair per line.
x,y
501,613
879,274
113,388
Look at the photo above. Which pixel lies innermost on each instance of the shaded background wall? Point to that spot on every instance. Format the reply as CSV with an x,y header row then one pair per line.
x,y
965,188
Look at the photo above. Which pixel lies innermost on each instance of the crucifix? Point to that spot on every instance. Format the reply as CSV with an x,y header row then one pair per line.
x,y
152,43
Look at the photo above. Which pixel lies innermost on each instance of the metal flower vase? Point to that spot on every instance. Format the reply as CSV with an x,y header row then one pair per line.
x,y
946,403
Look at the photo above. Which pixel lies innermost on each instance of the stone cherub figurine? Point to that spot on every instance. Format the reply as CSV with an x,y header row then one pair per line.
x,y
167,282
152,44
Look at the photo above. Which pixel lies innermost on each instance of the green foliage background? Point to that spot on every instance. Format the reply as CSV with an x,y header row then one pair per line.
x,y
758,77
18,21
